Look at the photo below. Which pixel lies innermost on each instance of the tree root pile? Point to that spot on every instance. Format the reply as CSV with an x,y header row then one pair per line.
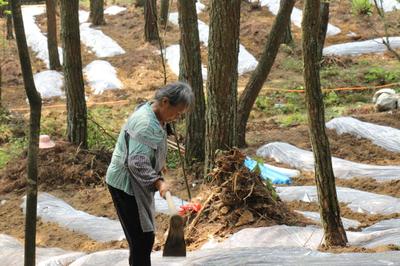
x,y
59,166
235,198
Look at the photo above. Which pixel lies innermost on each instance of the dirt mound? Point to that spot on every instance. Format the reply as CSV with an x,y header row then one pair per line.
x,y
235,198
61,165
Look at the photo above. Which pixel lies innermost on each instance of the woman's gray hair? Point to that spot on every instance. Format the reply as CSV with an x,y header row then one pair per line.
x,y
177,93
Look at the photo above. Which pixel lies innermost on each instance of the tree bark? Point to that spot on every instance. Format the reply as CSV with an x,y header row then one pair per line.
x,y
223,49
35,104
139,3
260,74
97,12
164,13
288,38
150,23
52,45
324,14
325,180
74,88
10,34
190,71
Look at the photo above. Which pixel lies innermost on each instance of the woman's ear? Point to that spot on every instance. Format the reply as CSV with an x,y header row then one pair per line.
x,y
165,100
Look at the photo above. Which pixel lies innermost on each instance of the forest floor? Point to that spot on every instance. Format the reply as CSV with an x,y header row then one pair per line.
x,y
77,176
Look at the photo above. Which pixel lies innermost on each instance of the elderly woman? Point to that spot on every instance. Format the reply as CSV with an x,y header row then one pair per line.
x,y
134,174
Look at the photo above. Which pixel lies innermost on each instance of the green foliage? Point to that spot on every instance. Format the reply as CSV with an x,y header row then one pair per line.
x,y
173,160
292,64
292,119
381,76
12,149
267,182
264,103
361,7
331,98
101,132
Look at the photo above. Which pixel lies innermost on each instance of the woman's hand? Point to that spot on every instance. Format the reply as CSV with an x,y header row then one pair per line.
x,y
162,187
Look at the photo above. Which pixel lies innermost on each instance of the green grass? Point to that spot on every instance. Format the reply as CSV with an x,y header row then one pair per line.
x,y
292,64
12,150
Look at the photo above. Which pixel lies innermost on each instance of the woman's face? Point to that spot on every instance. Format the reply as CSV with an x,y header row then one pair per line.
x,y
169,112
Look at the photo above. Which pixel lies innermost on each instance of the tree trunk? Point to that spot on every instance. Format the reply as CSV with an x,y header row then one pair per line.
x,y
223,49
35,103
150,23
97,12
164,13
190,71
10,34
74,88
139,3
288,38
324,14
260,74
325,180
54,58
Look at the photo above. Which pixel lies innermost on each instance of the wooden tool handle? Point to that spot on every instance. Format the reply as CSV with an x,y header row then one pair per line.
x,y
171,205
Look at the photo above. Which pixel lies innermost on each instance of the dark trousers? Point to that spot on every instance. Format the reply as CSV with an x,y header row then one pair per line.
x,y
140,243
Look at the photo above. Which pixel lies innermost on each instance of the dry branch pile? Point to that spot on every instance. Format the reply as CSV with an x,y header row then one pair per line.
x,y
235,198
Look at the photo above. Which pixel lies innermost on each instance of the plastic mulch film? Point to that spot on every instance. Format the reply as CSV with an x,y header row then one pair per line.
x,y
385,137
288,256
361,47
301,159
383,225
49,83
101,76
12,254
116,257
53,209
358,201
296,16
315,216
309,237
101,229
245,256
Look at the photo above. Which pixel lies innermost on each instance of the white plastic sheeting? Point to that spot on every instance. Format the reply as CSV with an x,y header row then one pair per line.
x,y
83,16
172,55
296,17
361,47
386,137
98,42
246,61
315,216
114,10
309,237
388,5
383,225
34,37
301,159
12,254
118,257
101,76
358,201
287,257
55,210
247,256
49,83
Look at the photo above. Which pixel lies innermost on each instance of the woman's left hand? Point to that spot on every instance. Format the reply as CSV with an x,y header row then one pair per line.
x,y
162,187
